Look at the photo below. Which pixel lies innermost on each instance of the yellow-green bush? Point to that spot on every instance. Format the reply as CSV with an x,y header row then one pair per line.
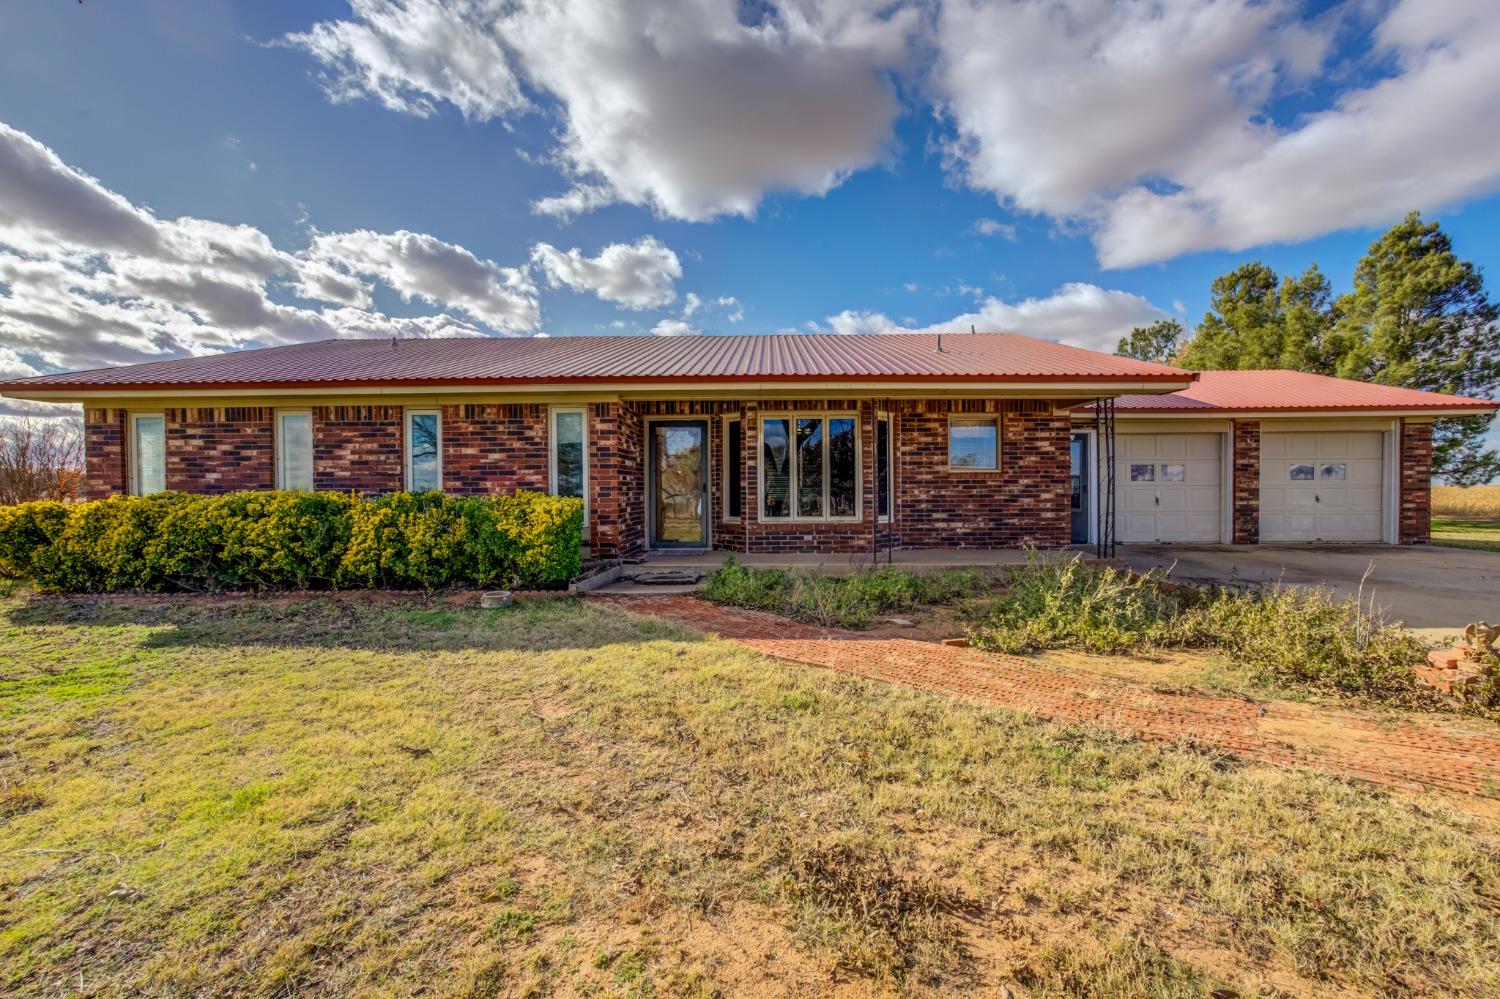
x,y
279,540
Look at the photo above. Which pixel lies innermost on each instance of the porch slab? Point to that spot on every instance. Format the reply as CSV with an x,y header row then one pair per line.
x,y
917,560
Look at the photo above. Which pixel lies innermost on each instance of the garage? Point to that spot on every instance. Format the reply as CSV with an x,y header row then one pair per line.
x,y
1170,487
1322,486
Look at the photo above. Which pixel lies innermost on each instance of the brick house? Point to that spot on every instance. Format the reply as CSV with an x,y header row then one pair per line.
x,y
783,443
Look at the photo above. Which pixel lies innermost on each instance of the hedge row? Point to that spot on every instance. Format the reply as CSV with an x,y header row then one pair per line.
x,y
283,540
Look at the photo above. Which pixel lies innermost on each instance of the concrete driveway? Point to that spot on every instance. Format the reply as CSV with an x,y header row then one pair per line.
x,y
1434,590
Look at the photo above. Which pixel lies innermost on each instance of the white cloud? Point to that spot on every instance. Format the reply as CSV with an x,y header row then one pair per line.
x,y
411,55
674,327
425,268
1083,315
691,303
13,365
679,105
1425,138
734,309
637,276
89,279
993,227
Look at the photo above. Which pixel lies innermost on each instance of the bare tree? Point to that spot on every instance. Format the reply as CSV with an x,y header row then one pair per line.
x,y
41,457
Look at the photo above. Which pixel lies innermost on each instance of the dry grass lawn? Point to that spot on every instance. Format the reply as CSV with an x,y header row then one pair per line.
x,y
338,795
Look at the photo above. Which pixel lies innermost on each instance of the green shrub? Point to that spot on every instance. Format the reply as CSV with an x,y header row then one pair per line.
x,y
27,529
276,540
851,601
1284,635
1067,603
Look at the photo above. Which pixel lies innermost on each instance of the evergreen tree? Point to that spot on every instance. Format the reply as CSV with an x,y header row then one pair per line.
x,y
1419,317
1256,320
1158,342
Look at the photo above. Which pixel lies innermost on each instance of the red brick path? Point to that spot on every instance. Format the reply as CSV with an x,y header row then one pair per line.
x,y
1410,754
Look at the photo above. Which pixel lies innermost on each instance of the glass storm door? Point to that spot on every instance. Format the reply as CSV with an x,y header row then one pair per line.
x,y
1078,492
679,484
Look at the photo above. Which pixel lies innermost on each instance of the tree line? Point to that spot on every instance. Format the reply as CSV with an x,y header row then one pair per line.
x,y
1417,317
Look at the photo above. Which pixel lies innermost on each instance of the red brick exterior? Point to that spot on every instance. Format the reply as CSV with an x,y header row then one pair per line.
x,y
104,470
616,477
502,447
494,448
357,448
1245,448
1416,483
220,450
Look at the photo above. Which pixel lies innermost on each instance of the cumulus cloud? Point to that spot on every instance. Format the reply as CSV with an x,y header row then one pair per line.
x,y
425,268
89,279
1148,124
638,276
674,327
1083,315
691,107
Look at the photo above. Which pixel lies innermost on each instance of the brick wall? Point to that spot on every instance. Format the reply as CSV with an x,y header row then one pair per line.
x,y
105,471
1245,517
1024,502
357,449
1416,483
494,448
220,450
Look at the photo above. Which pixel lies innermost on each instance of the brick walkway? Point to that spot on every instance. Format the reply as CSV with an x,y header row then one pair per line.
x,y
1413,754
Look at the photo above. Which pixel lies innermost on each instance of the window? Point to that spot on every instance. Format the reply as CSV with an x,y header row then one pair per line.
x,y
294,453
974,442
148,454
1142,473
569,476
1336,472
1300,473
883,467
1174,473
734,469
810,468
424,452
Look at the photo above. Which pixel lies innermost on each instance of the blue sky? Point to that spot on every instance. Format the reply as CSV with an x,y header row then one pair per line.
x,y
815,164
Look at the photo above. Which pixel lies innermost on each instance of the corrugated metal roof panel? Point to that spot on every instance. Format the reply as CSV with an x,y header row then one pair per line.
x,y
1289,391
542,360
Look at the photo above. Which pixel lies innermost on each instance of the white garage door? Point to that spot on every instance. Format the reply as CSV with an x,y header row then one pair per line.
x,y
1169,487
1322,487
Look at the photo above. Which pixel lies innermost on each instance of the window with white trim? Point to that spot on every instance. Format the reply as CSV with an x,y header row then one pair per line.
x,y
569,459
883,477
810,468
148,453
294,450
424,450
974,443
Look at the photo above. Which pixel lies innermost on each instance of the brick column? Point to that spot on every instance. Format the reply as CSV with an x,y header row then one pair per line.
x,y
1416,483
104,453
616,515
1245,447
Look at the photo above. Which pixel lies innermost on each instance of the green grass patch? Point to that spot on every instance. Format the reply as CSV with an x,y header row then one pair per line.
x,y
854,600
328,796
1483,535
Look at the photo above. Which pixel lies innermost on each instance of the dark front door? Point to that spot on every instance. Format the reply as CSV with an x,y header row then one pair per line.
x,y
1078,500
678,490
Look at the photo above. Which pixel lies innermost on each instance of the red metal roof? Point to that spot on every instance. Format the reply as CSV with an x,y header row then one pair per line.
x,y
974,357
1217,392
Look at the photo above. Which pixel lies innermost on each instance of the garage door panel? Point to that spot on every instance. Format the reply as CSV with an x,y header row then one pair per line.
x,y
1322,486
1168,487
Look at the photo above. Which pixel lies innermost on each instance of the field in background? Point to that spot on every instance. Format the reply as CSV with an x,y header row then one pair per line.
x,y
1466,502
